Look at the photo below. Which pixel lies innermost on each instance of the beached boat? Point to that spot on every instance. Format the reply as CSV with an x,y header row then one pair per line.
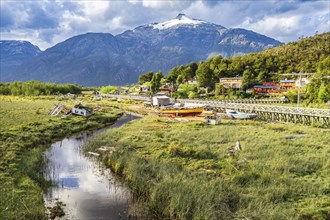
x,y
180,111
240,115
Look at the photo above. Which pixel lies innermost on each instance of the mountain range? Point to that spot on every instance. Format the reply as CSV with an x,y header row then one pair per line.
x,y
15,53
94,59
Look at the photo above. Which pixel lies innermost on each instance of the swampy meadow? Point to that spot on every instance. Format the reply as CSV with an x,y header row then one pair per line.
x,y
26,131
182,170
175,170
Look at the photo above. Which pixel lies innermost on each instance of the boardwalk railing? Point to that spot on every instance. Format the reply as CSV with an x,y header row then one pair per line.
x,y
308,116
257,101
251,101
133,97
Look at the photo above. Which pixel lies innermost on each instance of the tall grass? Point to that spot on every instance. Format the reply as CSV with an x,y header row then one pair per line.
x,y
182,170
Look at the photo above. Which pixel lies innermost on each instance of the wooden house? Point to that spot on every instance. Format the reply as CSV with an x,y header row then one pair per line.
x,y
166,89
142,89
286,84
121,90
266,88
231,82
79,109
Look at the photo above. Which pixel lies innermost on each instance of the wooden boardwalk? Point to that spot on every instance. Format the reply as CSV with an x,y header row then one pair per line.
x,y
257,101
307,116
251,101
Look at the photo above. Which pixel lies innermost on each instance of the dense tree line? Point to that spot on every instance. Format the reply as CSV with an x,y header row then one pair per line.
x,y
307,55
319,88
34,88
153,80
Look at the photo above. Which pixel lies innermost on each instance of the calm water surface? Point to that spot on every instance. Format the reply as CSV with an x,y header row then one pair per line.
x,y
87,190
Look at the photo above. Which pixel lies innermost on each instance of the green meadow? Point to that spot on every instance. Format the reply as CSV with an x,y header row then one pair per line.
x,y
175,170
182,170
26,131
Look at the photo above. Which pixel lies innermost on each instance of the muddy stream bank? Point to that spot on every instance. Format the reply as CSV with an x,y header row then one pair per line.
x,y
86,190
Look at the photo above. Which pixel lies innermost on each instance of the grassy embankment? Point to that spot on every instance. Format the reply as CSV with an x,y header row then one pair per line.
x,y
26,130
182,170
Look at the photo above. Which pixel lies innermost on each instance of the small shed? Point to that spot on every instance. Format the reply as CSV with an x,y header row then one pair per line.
x,y
96,92
82,110
160,100
211,120
142,89
121,90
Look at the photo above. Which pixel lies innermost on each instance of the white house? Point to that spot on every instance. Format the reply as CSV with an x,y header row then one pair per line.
x,y
79,109
160,100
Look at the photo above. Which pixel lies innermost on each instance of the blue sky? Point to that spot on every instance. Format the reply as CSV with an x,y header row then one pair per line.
x,y
46,23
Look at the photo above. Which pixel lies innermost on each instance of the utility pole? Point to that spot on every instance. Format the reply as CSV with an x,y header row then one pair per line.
x,y
298,101
299,85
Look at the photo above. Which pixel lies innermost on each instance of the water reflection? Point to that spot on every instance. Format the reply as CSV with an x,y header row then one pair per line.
x,y
88,191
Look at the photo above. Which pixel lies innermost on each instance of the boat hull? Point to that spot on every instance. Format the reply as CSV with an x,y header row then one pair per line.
x,y
244,116
240,115
182,111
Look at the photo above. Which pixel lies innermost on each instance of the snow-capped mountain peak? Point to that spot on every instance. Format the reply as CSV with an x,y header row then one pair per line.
x,y
182,16
102,59
181,19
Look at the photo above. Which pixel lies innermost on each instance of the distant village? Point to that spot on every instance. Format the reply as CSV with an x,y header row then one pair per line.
x,y
234,83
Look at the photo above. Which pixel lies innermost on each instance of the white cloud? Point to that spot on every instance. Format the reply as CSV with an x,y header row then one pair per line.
x,y
269,25
286,25
155,4
71,21
166,5
46,23
116,22
94,9
323,23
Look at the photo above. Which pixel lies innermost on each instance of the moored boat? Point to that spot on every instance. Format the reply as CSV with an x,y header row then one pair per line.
x,y
192,110
240,115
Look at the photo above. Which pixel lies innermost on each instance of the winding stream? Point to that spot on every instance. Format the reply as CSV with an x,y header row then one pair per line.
x,y
87,190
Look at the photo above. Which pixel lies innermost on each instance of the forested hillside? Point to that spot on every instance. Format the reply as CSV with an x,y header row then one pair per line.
x,y
307,55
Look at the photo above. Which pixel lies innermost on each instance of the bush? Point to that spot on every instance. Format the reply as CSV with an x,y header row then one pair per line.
x,y
187,90
108,89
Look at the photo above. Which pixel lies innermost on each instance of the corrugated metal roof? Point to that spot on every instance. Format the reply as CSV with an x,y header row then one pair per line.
x,y
267,87
161,97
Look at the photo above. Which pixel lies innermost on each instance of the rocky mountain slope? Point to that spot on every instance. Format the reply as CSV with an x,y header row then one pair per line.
x,y
15,53
101,58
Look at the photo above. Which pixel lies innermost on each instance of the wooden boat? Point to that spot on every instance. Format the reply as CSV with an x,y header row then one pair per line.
x,y
240,115
182,110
